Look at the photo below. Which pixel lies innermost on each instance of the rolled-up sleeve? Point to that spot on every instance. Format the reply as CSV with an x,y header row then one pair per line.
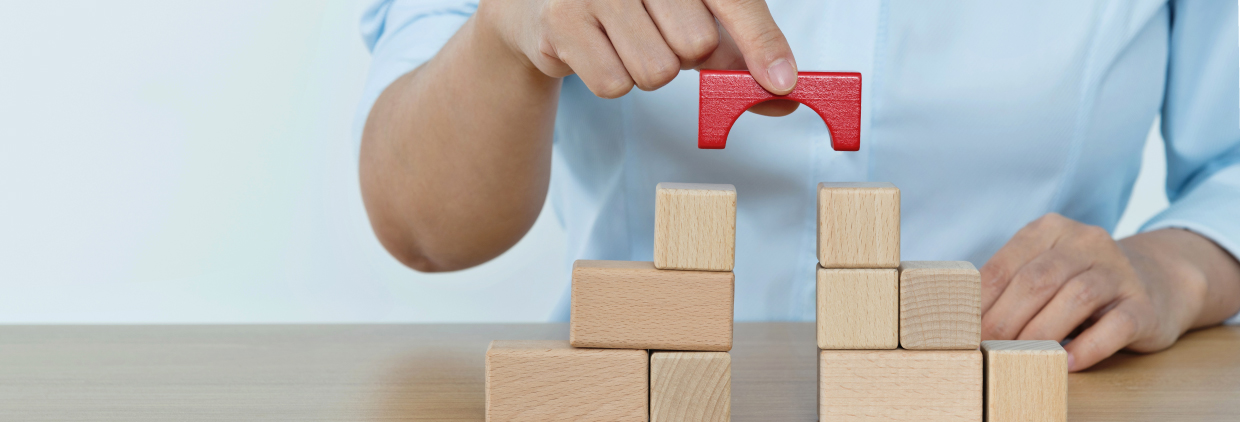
x,y
401,35
1201,124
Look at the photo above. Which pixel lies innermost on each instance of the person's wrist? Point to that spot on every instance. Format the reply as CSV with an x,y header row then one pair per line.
x,y
1158,258
490,32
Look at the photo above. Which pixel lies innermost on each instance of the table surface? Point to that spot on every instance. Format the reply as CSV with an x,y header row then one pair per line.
x,y
435,372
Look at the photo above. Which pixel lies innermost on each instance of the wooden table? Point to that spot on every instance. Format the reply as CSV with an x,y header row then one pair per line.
x,y
434,372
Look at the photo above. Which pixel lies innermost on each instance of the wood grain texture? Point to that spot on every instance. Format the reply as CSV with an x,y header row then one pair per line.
x,y
900,385
858,225
858,308
940,305
694,227
435,372
547,380
1026,380
690,386
632,305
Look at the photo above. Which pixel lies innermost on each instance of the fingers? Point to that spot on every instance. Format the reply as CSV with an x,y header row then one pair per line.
x,y
1030,289
586,49
767,54
688,28
646,56
775,108
1116,329
1035,238
1078,300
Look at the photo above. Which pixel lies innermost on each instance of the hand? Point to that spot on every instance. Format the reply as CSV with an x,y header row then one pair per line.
x,y
1057,276
615,45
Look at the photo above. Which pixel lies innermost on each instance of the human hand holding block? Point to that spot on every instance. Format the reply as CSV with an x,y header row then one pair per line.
x,y
550,381
694,226
858,225
1026,380
940,305
632,305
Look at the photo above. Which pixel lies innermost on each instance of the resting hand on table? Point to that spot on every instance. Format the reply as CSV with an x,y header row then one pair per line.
x,y
1057,277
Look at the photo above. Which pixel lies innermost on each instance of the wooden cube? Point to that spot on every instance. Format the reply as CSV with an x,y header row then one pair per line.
x,y
690,386
1026,380
900,385
858,309
633,305
694,226
940,305
550,381
858,225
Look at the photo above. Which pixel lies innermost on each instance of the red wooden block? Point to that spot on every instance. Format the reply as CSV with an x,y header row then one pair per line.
x,y
725,94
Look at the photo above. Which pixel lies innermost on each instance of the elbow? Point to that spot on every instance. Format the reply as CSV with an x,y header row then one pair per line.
x,y
419,261
409,251
433,251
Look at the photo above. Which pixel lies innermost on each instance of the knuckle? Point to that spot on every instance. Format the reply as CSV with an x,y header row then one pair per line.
x,y
995,330
1049,221
699,45
1038,278
614,87
1126,322
1095,234
658,73
1084,295
768,37
993,273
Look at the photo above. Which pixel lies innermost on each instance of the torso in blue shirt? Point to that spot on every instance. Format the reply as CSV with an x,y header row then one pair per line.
x,y
985,114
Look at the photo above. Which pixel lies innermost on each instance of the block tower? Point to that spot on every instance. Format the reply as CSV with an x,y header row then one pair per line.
x,y
899,341
647,340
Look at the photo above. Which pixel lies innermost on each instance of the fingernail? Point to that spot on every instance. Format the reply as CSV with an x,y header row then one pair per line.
x,y
783,76
1071,361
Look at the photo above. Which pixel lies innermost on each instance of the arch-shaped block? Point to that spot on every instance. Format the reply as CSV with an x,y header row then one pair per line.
x,y
725,94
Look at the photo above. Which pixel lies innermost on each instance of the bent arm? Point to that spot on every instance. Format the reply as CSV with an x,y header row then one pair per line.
x,y
456,154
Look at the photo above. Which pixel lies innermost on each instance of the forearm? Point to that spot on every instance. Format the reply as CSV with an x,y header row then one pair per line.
x,y
456,155
1207,273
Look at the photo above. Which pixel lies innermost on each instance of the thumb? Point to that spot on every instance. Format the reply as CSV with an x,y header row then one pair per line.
x,y
765,50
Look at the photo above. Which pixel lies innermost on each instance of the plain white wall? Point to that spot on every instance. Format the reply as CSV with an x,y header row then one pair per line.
x,y
191,162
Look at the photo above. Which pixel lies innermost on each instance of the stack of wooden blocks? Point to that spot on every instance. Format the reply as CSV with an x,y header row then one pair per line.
x,y
647,340
900,341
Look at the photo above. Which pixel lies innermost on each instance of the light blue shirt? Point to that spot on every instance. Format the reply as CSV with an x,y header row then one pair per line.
x,y
985,114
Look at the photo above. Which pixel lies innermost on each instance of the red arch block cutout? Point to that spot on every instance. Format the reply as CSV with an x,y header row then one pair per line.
x,y
725,94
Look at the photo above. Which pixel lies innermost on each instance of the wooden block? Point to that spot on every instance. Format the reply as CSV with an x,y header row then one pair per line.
x,y
550,381
940,305
858,225
900,385
632,305
690,386
725,94
858,309
694,226
1026,380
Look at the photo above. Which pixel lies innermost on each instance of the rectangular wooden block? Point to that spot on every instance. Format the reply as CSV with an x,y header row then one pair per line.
x,y
858,308
694,226
632,305
690,386
900,385
940,305
551,381
858,225
1026,380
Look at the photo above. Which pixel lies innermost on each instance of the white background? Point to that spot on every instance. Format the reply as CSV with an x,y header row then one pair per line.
x,y
191,162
